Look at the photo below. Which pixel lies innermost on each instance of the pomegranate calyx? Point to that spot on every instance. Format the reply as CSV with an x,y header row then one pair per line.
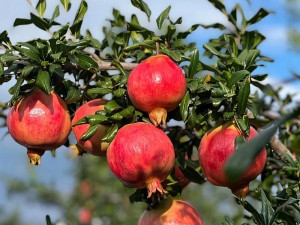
x,y
35,155
153,186
240,192
158,116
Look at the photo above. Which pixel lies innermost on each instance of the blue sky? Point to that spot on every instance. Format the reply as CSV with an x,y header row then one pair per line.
x,y
13,159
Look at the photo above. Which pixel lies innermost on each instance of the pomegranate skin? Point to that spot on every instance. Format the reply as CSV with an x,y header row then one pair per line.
x,y
39,122
156,86
94,145
141,156
215,149
171,212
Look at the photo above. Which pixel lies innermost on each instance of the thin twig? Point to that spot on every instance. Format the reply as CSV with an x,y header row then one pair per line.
x,y
280,148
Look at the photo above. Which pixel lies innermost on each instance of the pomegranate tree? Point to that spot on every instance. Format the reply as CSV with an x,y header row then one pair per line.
x,y
215,149
156,86
39,122
169,212
93,145
141,156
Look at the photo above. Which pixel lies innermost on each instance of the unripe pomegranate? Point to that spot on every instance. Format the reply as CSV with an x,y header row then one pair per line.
x,y
141,156
171,212
39,122
156,86
215,149
94,145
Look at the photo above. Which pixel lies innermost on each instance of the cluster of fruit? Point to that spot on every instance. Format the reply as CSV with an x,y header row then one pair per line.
x,y
141,155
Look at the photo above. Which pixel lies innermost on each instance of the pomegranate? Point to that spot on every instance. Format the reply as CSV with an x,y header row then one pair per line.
x,y
85,216
156,86
39,122
171,212
141,156
215,149
94,145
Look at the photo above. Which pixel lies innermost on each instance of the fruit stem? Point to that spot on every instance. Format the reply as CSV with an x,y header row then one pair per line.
x,y
158,116
241,192
153,186
35,155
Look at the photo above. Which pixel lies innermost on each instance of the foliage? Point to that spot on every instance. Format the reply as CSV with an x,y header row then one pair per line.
x,y
79,67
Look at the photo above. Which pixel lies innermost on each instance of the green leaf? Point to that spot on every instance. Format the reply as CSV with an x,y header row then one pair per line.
x,y
236,77
214,25
112,106
214,51
184,106
40,22
41,7
86,62
119,92
66,4
175,54
145,44
55,14
161,18
90,132
118,66
243,95
20,22
75,28
28,53
43,81
267,211
96,119
73,95
183,35
48,220
219,5
27,70
251,39
1,68
194,63
246,153
8,58
128,112
259,77
262,13
247,57
256,215
140,4
15,90
111,133
98,91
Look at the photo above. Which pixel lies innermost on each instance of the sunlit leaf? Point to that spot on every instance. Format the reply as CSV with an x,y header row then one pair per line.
x,y
161,18
66,4
41,7
140,4
43,81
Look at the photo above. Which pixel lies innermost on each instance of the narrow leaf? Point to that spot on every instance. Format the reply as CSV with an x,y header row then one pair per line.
x,y
246,153
40,22
184,105
28,53
90,132
194,63
86,62
43,81
19,22
118,66
66,4
73,95
161,18
236,77
262,13
219,5
41,7
48,220
55,14
75,28
267,211
243,95
111,133
140,4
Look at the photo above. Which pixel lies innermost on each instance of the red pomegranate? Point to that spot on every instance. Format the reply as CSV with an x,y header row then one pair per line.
x,y
141,156
85,216
215,149
156,86
39,122
94,145
171,212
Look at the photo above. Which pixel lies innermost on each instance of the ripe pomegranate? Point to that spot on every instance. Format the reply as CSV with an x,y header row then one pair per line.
x,y
171,212
39,122
215,149
85,216
156,86
141,156
94,145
